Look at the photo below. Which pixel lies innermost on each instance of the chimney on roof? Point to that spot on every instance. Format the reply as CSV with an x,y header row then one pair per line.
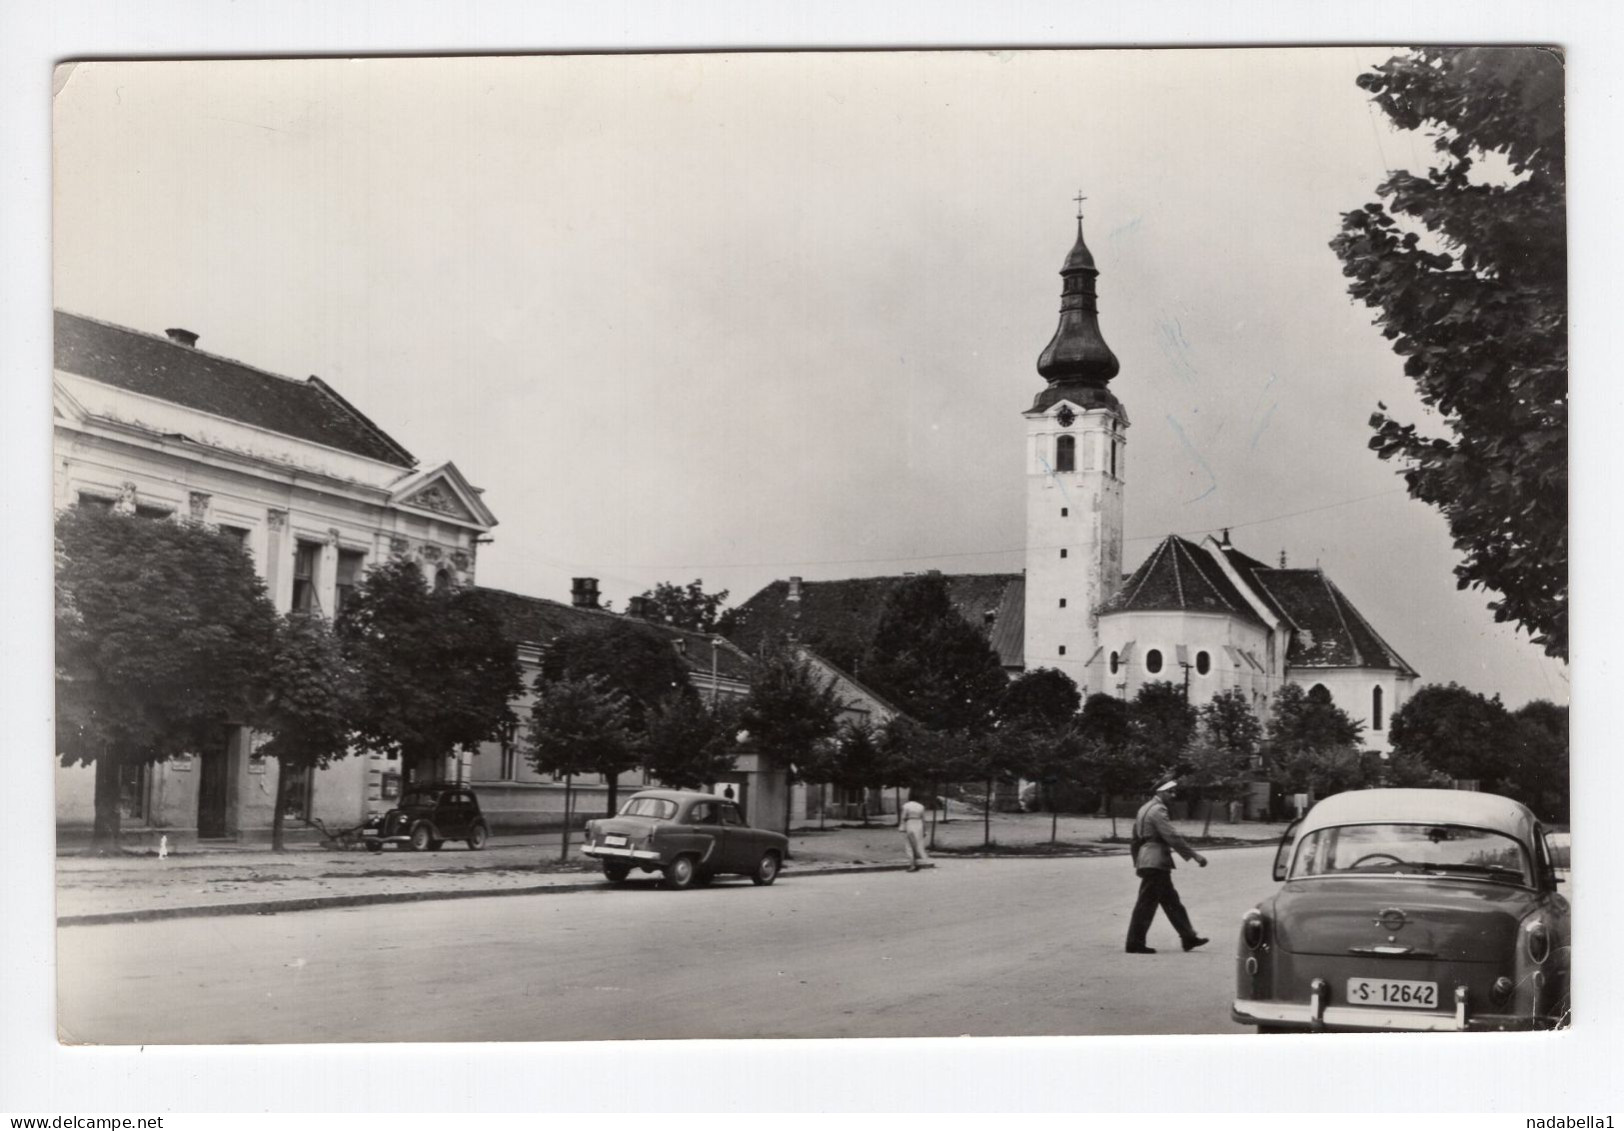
x,y
584,592
640,607
794,589
1224,542
182,337
1282,559
933,573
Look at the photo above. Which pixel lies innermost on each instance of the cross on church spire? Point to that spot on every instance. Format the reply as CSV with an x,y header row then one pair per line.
x,y
1079,198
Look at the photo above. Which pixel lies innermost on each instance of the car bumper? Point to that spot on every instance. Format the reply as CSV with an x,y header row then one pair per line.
x,y
614,853
1313,1017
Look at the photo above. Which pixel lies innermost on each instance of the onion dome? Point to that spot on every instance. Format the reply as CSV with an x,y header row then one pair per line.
x,y
1077,363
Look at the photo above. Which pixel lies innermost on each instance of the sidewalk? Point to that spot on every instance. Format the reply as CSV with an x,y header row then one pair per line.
x,y
136,887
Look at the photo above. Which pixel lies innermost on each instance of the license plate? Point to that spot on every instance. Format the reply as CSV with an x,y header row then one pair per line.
x,y
615,841
1390,992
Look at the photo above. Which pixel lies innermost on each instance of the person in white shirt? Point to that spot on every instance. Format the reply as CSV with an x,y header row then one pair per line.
x,y
913,833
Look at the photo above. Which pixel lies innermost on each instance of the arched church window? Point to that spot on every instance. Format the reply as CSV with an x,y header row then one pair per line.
x,y
1116,662
1113,457
1319,694
1203,663
1375,708
442,580
1153,661
1065,453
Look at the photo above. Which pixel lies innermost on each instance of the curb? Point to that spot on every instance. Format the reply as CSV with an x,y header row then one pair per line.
x,y
366,899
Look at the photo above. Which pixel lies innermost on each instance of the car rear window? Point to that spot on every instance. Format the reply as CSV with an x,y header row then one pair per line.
x,y
1412,849
656,807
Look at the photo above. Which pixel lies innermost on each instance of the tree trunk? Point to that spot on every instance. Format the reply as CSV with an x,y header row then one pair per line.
x,y
934,799
614,794
823,804
104,837
1054,816
281,806
569,798
1110,811
986,818
898,794
1206,829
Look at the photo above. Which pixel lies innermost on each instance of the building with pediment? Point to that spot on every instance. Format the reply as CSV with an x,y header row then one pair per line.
x,y
1201,614
314,489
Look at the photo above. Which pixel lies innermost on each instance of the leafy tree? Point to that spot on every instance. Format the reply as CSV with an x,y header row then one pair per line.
x,y
686,606
1161,723
1405,769
1303,720
1043,697
438,670
313,694
1459,732
1323,771
1537,774
639,662
930,662
163,637
1228,737
1057,760
790,710
579,726
855,760
688,744
1111,762
1468,275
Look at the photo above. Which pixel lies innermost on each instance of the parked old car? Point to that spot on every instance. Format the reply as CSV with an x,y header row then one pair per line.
x,y
1408,909
427,817
690,837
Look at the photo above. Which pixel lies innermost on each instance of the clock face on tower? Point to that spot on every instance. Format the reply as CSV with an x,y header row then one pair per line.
x,y
1065,416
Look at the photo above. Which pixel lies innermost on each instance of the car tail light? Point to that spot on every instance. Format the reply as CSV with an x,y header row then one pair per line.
x,y
1500,992
1252,930
1539,942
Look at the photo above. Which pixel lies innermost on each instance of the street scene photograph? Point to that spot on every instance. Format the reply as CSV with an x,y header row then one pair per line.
x,y
811,544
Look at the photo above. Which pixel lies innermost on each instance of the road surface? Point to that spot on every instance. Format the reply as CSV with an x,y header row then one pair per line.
x,y
972,947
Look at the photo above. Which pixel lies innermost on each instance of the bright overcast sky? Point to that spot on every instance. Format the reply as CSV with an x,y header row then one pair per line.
x,y
740,317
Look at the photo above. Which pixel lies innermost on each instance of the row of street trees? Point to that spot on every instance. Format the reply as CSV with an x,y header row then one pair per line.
x,y
165,637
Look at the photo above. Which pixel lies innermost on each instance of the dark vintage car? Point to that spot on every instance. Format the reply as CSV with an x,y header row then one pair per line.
x,y
427,817
1408,909
690,837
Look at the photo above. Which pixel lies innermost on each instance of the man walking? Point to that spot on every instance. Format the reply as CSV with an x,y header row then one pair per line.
x,y
912,823
1154,842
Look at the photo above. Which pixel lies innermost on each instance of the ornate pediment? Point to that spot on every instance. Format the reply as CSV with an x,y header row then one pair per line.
x,y
437,497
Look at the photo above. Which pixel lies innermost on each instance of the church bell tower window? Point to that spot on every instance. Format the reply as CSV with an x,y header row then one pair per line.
x,y
1065,453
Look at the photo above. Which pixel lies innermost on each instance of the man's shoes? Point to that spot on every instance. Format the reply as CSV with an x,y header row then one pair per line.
x,y
1145,949
913,867
1191,944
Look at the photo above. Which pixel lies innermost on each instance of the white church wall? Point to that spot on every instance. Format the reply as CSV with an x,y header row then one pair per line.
x,y
1222,638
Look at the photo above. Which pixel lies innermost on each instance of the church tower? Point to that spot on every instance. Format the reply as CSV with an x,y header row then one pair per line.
x,y
1075,467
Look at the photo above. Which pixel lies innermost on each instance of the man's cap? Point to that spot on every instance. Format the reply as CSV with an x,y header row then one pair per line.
x,y
1166,786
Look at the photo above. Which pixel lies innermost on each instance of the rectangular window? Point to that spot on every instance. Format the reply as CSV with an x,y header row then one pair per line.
x,y
132,791
297,803
305,557
95,502
142,510
510,752
1062,552
1062,649
349,574
1062,602
1064,511
237,533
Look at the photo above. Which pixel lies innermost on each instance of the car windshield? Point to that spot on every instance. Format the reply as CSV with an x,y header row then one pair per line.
x,y
656,807
418,799
1412,849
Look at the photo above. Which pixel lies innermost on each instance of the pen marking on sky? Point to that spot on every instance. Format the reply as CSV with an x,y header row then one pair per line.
x,y
1212,480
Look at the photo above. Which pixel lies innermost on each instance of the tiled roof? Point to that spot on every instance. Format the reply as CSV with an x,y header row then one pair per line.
x,y
1179,576
184,375
837,619
1330,632
536,620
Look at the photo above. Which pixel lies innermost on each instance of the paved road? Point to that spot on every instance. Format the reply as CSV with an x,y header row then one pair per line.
x,y
985,948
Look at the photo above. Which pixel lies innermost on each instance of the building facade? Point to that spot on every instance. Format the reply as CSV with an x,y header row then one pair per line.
x,y
316,492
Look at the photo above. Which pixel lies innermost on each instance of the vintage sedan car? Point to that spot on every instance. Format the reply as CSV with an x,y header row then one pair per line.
x,y
427,817
690,837
1408,909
